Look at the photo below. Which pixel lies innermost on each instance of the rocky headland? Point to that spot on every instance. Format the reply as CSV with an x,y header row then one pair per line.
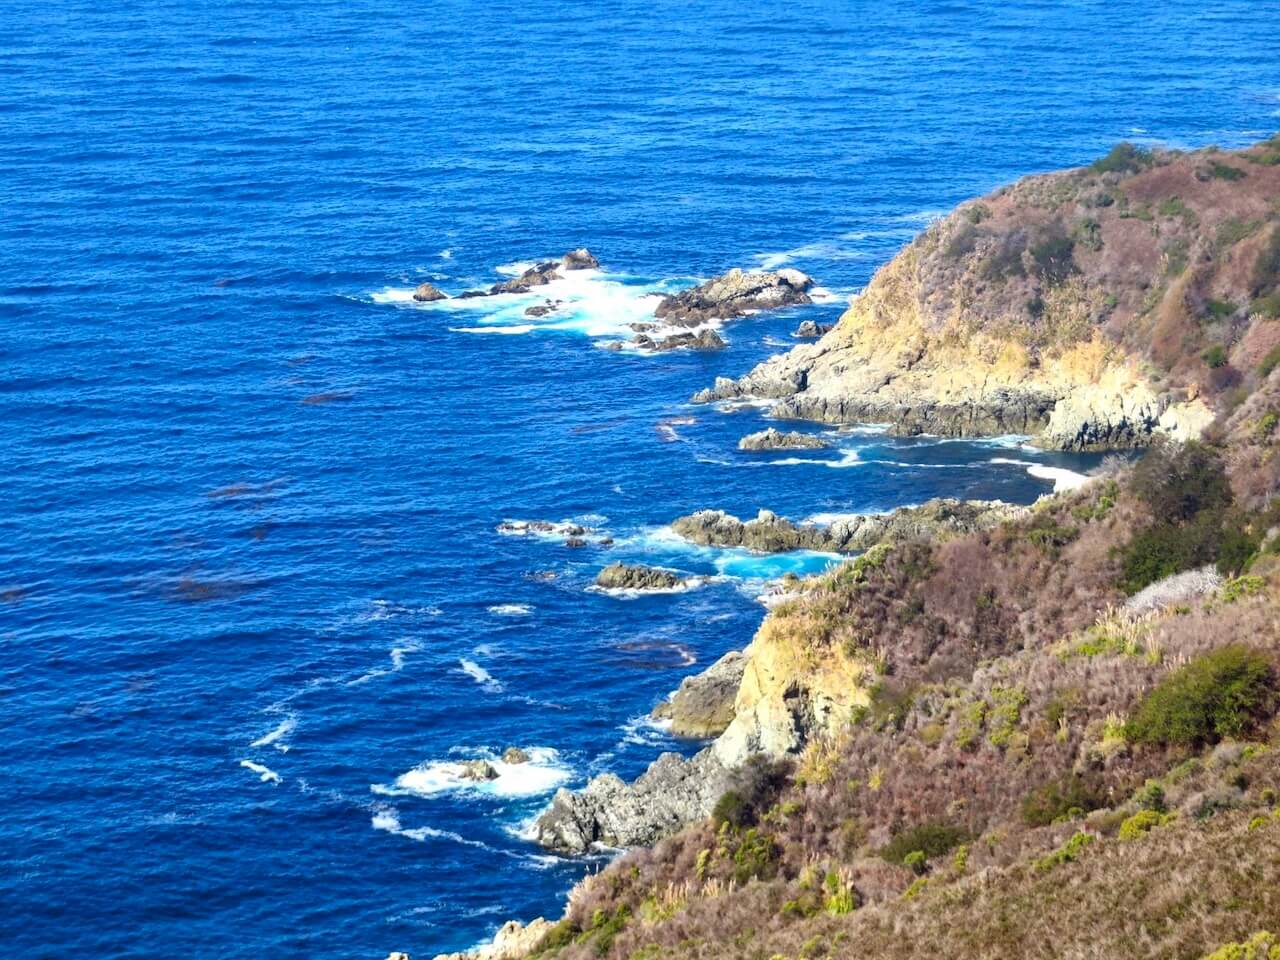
x,y
1092,308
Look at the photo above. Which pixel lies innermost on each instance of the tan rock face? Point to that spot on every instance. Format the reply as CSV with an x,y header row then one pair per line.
x,y
513,941
1079,307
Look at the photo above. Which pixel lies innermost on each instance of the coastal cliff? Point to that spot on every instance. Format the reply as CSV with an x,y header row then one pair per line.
x,y
990,706
1092,308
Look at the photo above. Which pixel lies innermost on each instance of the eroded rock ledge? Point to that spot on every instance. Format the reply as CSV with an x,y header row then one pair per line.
x,y
770,533
775,439
702,707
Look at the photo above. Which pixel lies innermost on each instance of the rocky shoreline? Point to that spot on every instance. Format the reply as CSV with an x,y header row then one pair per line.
x,y
769,533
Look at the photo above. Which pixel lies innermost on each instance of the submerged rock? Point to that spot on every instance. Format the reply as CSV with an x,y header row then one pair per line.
x,y
621,576
734,295
542,309
428,293
774,439
702,707
609,812
770,533
811,330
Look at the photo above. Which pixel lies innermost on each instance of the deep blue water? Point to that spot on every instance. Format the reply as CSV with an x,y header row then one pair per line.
x,y
251,495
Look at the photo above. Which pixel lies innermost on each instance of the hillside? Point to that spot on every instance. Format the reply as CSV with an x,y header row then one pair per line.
x,y
1091,307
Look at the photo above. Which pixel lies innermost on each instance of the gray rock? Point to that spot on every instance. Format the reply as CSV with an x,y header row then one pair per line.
x,y
542,309
706,339
514,755
702,707
673,792
536,276
481,770
774,439
427,293
734,295
811,330
580,259
769,533
620,576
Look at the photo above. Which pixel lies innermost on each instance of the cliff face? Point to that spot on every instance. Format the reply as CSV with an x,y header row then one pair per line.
x,y
1092,308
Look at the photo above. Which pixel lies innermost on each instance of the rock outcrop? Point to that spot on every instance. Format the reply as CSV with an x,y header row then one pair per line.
x,y
513,941
621,576
478,770
811,330
1090,308
538,275
702,707
775,439
734,295
706,339
609,812
580,259
429,293
769,533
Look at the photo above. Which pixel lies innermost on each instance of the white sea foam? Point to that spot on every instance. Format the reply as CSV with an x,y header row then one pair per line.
x,y
1063,480
265,774
397,656
542,773
480,675
592,303
275,736
510,609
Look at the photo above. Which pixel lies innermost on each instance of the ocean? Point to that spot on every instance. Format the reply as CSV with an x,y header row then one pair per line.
x,y
254,602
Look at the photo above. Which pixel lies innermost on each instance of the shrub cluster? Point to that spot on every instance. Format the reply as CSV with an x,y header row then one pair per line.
x,y
1219,694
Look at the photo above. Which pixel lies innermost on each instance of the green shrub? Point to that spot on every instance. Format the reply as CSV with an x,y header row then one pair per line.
x,y
1267,306
1053,256
1261,946
755,856
1175,207
1178,481
916,861
1069,852
1142,823
1266,270
1232,230
927,839
1057,800
1220,694
1267,424
1215,356
1269,362
1224,171
1219,309
1123,158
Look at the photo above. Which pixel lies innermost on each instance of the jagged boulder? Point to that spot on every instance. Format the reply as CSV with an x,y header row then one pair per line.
x,y
621,576
774,439
609,812
515,755
513,941
810,330
706,339
538,275
734,295
702,707
478,770
580,259
429,293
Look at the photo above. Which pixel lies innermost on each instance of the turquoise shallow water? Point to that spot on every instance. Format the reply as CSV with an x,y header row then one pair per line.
x,y
254,597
